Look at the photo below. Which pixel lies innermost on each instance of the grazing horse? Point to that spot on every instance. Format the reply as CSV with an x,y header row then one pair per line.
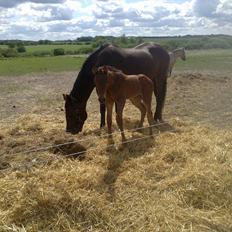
x,y
114,86
148,59
174,55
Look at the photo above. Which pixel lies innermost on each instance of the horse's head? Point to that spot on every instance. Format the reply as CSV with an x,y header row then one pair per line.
x,y
75,114
101,82
183,57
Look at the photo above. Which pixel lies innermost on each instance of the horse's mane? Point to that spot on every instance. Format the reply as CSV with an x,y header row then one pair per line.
x,y
87,65
179,49
84,82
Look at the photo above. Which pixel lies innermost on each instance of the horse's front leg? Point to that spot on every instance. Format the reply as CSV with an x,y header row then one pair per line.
x,y
120,105
103,112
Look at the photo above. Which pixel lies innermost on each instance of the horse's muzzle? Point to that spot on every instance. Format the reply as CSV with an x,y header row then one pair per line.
x,y
102,100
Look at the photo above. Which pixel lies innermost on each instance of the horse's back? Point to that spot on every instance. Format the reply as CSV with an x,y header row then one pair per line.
x,y
130,61
149,59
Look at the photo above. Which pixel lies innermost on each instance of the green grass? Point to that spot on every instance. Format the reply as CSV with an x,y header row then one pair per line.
x,y
32,50
66,47
44,47
219,60
24,65
197,60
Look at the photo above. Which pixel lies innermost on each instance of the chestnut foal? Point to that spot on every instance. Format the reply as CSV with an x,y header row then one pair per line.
x,y
114,86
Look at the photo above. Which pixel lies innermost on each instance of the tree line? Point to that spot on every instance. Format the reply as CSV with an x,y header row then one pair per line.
x,y
89,44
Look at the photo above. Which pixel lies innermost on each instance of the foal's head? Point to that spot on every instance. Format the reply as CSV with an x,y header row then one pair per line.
x,y
105,76
101,81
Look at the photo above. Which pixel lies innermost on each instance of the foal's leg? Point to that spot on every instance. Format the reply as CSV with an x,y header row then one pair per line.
x,y
103,112
120,106
109,105
149,117
147,99
139,104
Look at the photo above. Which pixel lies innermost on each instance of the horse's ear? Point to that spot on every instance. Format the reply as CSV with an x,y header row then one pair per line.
x,y
94,70
65,96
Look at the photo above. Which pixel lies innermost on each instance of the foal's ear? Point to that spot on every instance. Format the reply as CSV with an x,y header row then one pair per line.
x,y
94,70
110,75
105,69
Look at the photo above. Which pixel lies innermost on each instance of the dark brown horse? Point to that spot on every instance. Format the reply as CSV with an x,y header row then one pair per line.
x,y
114,86
151,60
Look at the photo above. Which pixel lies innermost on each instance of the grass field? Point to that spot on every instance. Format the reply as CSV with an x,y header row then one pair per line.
x,y
219,60
24,65
200,60
50,47
32,49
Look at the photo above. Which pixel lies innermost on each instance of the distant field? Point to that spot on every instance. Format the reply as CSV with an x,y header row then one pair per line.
x,y
34,48
44,47
47,50
197,60
207,60
24,65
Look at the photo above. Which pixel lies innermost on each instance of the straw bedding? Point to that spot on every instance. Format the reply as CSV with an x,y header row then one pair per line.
x,y
178,180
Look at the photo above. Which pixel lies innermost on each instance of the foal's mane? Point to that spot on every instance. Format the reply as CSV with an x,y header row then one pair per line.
x,y
113,69
102,69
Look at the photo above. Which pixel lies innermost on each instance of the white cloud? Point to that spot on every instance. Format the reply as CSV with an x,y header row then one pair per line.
x,y
52,13
13,3
206,8
55,19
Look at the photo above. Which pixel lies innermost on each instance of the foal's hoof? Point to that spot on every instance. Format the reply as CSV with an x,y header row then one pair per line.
x,y
122,146
139,128
110,140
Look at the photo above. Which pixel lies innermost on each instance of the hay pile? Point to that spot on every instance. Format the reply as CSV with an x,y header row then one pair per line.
x,y
172,182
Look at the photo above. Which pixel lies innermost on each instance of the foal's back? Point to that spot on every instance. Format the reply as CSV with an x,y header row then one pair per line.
x,y
133,85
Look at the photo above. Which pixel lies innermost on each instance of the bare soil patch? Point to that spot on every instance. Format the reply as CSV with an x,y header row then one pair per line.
x,y
203,98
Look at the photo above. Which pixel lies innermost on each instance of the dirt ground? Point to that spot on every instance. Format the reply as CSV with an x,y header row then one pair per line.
x,y
198,97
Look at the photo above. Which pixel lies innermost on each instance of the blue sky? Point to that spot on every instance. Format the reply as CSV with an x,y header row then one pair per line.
x,y
69,19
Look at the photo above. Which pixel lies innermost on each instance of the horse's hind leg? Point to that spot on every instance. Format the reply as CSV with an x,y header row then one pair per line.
x,y
160,94
140,105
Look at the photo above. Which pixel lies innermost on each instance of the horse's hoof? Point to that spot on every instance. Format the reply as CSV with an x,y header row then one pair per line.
x,y
158,121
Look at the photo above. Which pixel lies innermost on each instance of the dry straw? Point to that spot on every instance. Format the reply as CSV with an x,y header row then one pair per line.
x,y
172,182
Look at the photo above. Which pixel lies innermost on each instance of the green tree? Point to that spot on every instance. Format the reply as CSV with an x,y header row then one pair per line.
x,y
58,52
21,49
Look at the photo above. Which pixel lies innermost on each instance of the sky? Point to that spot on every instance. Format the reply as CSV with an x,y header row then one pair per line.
x,y
69,19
